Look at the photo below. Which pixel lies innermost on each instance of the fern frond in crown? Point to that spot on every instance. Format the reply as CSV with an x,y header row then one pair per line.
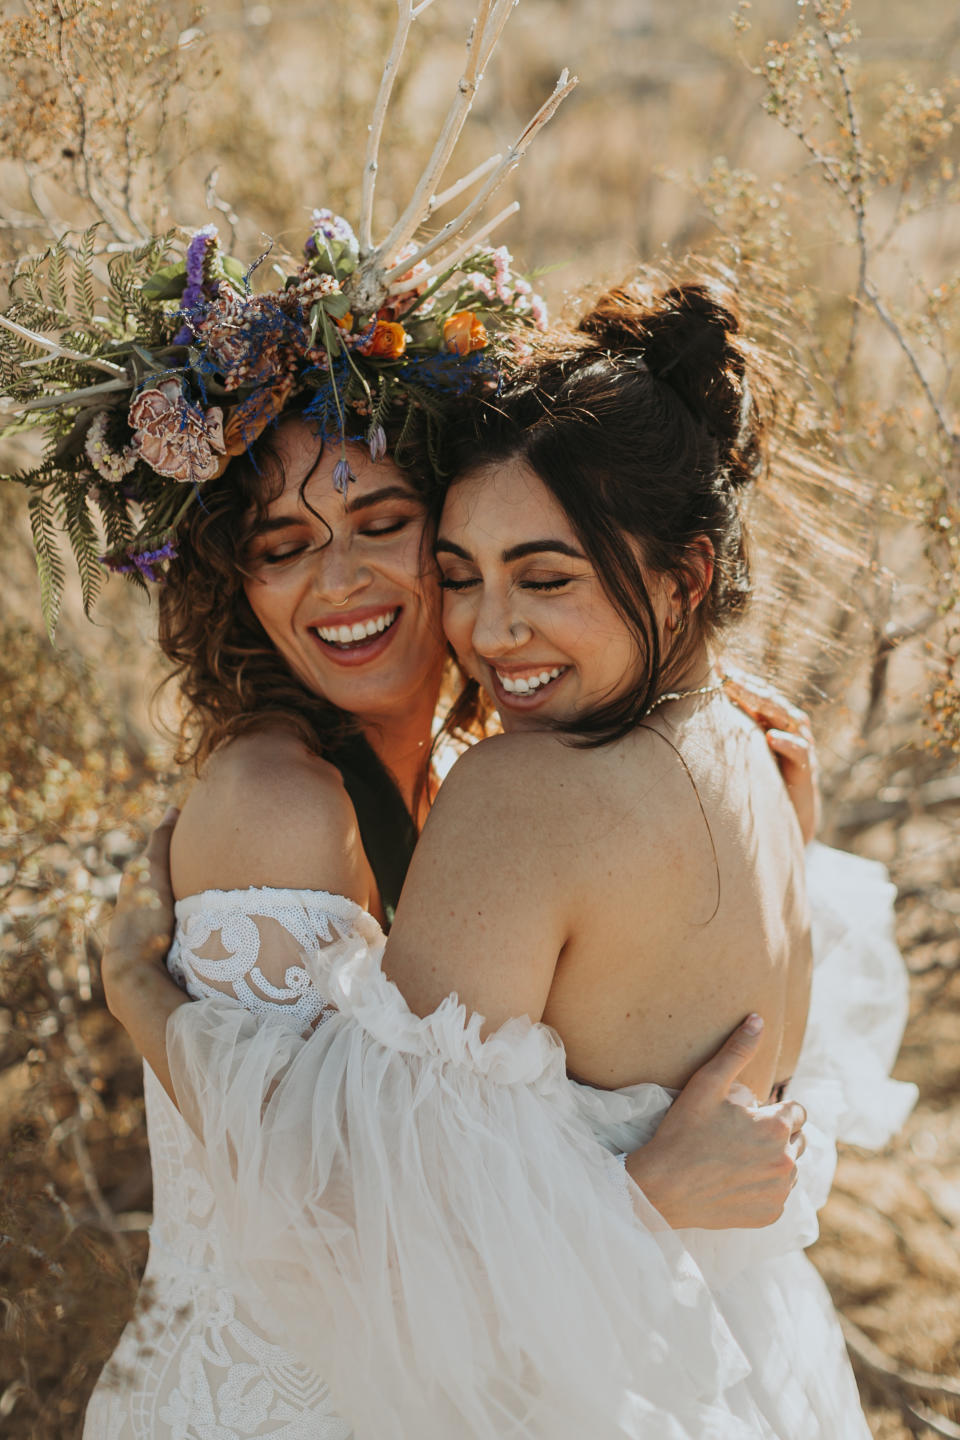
x,y
145,404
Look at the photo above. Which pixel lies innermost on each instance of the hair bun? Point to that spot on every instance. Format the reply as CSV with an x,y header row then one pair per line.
x,y
685,336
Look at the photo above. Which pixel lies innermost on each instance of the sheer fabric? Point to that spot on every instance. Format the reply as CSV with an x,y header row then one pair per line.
x,y
438,1225
197,1362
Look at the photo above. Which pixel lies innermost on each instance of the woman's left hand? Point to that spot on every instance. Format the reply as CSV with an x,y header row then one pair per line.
x,y
716,1163
789,736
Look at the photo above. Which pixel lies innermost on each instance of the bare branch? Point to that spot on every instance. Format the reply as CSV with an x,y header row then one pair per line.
x,y
404,21
883,313
70,397
213,202
467,247
492,17
58,351
437,202
857,192
510,161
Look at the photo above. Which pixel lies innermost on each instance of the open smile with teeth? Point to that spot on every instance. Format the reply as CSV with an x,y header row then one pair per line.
x,y
359,633
528,684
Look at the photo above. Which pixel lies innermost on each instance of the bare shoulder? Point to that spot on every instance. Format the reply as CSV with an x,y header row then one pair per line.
x,y
266,811
498,777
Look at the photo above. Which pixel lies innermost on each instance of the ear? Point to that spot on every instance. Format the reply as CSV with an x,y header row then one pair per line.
x,y
701,563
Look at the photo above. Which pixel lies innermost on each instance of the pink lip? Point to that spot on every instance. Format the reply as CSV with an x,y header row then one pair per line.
x,y
359,654
521,702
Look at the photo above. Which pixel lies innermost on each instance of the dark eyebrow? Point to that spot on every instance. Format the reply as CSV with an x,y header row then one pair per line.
x,y
538,547
360,502
516,552
373,497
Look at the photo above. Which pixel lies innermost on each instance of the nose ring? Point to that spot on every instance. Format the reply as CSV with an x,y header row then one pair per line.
x,y
520,633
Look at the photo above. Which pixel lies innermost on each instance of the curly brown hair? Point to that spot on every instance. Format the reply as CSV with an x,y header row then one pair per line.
x,y
231,679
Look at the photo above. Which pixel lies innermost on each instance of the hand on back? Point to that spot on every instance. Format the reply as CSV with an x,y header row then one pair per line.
x,y
716,1163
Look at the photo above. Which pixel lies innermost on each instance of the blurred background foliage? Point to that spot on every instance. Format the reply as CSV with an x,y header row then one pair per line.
x,y
808,151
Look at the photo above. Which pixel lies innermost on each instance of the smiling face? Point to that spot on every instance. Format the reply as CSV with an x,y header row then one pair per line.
x,y
338,582
523,606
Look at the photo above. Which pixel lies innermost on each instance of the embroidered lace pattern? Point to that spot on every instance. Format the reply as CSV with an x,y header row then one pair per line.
x,y
194,1363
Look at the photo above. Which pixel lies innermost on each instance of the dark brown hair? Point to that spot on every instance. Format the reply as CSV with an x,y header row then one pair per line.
x,y
644,425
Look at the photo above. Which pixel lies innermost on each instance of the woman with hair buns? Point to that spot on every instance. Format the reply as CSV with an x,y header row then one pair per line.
x,y
425,1190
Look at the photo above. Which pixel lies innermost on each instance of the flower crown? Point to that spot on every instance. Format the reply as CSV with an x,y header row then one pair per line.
x,y
191,365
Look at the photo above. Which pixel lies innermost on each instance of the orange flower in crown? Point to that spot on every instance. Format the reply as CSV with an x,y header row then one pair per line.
x,y
463,332
387,342
251,417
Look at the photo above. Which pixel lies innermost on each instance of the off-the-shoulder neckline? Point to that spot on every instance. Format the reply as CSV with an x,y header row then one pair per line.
x,y
338,905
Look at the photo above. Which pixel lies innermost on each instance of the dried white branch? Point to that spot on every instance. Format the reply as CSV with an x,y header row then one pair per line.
x,y
213,202
58,351
437,202
467,247
404,21
488,48
68,397
510,161
492,17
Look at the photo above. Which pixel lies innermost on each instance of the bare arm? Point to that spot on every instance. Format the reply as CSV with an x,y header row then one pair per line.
x,y
272,816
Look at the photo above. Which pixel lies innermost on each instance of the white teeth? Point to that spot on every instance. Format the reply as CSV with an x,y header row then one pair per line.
x,y
526,684
360,630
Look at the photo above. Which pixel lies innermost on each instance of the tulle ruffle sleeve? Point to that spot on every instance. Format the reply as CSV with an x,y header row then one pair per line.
x,y
437,1232
859,1001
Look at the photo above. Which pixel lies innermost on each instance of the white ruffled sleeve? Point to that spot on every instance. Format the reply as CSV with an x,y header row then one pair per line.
x,y
437,1231
859,999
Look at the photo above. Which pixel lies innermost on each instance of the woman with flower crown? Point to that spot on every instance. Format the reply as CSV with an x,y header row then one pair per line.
x,y
302,730
362,1172
576,1311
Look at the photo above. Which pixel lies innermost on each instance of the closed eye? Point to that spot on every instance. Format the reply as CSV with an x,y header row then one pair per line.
x,y
386,527
446,583
546,584
277,557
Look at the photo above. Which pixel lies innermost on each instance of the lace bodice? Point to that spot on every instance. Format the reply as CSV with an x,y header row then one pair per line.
x,y
195,1361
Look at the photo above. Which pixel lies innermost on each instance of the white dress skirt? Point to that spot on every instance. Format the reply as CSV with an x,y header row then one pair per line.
x,y
439,1226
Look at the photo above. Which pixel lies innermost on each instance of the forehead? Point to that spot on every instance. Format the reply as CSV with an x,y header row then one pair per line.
x,y
504,503
302,456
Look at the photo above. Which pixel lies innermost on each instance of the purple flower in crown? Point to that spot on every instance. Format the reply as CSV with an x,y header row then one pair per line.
x,y
142,562
201,284
328,226
377,443
342,475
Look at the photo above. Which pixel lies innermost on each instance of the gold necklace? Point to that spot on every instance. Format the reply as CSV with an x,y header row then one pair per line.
x,y
685,694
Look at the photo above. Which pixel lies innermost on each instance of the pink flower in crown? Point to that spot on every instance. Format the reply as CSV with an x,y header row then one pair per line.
x,y
174,437
482,284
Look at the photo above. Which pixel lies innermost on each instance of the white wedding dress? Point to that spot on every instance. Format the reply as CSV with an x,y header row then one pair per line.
x,y
428,1221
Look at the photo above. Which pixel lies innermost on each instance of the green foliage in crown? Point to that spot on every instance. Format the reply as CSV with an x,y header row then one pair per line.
x,y
152,383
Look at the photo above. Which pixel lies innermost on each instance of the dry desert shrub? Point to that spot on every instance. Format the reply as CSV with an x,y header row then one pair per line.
x,y
816,167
